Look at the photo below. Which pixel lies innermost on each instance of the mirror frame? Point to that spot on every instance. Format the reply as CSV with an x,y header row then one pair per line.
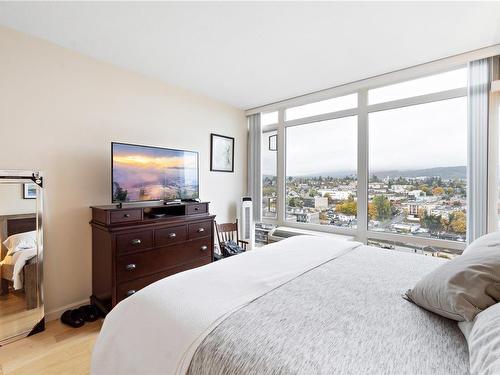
x,y
22,177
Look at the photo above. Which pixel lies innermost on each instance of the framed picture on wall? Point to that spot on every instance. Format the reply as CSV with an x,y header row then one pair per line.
x,y
29,191
273,143
221,153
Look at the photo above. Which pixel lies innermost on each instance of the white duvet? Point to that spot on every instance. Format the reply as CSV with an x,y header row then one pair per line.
x,y
12,266
21,248
158,329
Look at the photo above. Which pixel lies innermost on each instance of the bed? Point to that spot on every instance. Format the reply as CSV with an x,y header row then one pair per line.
x,y
18,269
304,305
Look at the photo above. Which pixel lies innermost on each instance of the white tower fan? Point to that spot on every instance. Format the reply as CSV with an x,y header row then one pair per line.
x,y
245,220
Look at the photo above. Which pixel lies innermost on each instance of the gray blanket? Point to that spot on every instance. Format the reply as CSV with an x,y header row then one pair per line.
x,y
345,317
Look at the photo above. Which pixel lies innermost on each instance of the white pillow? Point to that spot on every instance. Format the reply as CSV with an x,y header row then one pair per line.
x,y
484,342
488,240
20,241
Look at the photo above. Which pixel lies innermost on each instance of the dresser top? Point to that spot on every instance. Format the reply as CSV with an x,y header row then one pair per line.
x,y
111,207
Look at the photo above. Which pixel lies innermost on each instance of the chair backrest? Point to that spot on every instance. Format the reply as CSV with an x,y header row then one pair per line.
x,y
227,232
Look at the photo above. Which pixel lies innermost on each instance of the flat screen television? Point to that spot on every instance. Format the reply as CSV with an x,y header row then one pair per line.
x,y
145,173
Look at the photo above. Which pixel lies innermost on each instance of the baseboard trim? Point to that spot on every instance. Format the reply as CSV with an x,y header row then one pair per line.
x,y
56,314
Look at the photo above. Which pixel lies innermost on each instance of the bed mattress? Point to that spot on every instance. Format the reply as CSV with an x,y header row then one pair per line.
x,y
345,317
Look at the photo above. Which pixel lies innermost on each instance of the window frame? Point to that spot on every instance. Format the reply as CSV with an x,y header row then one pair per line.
x,y
268,129
362,233
361,87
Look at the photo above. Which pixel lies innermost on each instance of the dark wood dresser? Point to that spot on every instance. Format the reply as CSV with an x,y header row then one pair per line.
x,y
137,245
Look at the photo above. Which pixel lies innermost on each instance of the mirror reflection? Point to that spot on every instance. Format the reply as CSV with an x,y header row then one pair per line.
x,y
20,258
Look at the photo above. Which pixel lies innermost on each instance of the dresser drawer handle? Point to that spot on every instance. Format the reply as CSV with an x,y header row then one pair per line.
x,y
201,230
130,267
204,248
130,292
126,215
136,241
172,235
197,208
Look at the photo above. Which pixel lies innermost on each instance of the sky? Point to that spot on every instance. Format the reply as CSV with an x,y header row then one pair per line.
x,y
417,137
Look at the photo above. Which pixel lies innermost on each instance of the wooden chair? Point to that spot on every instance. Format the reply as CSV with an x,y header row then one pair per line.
x,y
229,232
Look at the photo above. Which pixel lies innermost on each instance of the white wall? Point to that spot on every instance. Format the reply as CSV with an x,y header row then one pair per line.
x,y
60,110
12,202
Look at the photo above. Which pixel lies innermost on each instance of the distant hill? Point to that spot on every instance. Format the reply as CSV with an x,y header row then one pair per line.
x,y
448,173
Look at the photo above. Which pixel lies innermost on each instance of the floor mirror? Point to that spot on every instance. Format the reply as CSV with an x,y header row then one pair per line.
x,y
21,255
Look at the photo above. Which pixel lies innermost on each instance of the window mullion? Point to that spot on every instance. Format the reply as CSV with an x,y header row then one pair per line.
x,y
281,186
362,187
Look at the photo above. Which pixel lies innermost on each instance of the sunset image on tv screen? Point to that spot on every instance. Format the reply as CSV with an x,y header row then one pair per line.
x,y
143,173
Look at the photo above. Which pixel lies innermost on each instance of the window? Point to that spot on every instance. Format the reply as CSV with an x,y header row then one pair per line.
x,y
324,106
427,85
417,170
321,163
269,174
410,191
269,118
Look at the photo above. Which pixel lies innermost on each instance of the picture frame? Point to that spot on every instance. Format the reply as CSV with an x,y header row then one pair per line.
x,y
221,153
273,143
29,191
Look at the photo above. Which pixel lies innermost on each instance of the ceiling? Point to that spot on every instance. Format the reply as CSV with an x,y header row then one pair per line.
x,y
251,54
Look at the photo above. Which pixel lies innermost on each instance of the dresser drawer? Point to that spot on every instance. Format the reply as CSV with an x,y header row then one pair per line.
x,y
132,266
128,288
169,236
130,242
123,216
197,209
201,229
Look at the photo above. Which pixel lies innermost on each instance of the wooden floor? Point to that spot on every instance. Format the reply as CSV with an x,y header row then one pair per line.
x,y
58,350
14,318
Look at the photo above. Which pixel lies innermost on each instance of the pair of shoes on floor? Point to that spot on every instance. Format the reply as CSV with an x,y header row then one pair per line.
x,y
77,317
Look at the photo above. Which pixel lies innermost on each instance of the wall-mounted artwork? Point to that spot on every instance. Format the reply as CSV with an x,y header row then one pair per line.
x,y
273,143
221,153
29,191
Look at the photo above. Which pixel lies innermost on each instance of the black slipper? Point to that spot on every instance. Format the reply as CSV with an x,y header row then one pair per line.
x,y
89,312
73,318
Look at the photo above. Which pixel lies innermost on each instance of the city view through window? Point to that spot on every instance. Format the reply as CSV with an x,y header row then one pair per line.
x,y
321,162
417,165
417,171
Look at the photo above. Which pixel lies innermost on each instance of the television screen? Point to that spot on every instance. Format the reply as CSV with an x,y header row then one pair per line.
x,y
142,173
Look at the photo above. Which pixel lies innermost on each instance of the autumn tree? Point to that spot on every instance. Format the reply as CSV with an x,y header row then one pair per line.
x,y
348,207
438,190
459,222
372,211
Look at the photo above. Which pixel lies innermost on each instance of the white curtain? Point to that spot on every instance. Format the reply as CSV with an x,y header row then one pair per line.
x,y
477,171
254,164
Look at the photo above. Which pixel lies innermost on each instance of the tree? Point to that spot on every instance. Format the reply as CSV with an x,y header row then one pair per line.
x,y
383,207
295,202
438,190
425,188
372,211
459,222
432,222
349,207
